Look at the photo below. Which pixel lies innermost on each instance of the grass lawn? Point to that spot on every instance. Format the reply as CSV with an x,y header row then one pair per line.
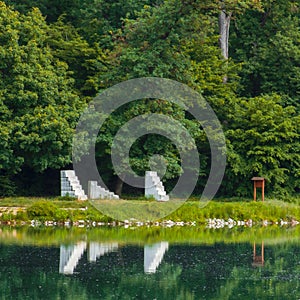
x,y
106,210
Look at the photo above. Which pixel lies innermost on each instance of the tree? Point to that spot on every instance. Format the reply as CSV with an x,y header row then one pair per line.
x,y
39,106
264,141
83,60
176,41
52,9
49,71
228,8
94,19
98,19
268,45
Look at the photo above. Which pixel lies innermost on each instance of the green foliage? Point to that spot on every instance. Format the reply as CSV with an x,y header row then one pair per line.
x,y
147,198
164,41
83,60
7,187
264,141
98,19
57,210
40,108
45,236
257,211
267,43
42,209
21,216
50,70
66,198
52,9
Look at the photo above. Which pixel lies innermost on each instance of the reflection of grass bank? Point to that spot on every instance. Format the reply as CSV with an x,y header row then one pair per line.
x,y
45,236
62,210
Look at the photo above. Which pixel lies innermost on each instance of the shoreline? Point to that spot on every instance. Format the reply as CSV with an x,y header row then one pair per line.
x,y
210,223
216,214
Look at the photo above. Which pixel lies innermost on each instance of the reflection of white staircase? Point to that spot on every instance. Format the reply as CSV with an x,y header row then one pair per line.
x,y
70,185
153,256
154,187
97,192
99,249
69,257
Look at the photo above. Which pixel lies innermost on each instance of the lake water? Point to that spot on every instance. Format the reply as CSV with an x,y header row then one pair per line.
x,y
149,263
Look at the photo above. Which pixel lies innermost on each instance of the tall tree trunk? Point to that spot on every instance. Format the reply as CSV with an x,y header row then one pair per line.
x,y
224,23
119,185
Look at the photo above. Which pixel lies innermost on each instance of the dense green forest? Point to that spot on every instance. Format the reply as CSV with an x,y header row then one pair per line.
x,y
243,56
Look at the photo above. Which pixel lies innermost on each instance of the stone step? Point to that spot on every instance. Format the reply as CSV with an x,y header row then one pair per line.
x,y
98,192
161,193
79,193
70,185
164,198
154,187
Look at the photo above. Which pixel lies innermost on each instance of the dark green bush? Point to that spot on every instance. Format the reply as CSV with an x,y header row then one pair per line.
x,y
7,187
7,217
42,209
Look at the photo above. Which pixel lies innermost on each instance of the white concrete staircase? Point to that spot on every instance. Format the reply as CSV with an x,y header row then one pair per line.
x,y
70,185
95,191
154,187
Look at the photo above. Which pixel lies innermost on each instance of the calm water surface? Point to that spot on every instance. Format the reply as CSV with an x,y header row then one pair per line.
x,y
144,264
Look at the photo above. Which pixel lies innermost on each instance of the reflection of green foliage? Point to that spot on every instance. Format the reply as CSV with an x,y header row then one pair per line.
x,y
177,235
187,272
278,278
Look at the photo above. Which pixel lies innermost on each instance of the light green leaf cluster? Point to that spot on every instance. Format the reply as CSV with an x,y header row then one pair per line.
x,y
38,105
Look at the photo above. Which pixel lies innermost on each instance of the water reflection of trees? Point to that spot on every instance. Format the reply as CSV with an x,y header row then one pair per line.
x,y
276,275
219,271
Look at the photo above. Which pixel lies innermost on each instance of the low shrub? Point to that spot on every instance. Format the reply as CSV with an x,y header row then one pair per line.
x,y
7,187
42,209
66,198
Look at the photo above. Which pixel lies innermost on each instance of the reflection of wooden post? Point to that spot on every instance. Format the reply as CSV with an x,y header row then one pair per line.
x,y
258,260
259,182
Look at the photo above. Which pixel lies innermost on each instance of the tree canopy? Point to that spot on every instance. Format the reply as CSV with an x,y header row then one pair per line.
x,y
57,55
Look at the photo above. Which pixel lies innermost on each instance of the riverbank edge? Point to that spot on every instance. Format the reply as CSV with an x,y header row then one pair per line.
x,y
216,214
210,223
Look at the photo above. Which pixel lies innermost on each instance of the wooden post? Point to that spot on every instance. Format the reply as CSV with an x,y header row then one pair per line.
x,y
259,182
